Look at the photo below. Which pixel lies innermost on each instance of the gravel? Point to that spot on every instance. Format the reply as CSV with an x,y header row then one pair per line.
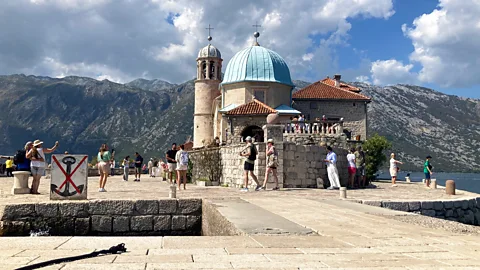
x,y
436,223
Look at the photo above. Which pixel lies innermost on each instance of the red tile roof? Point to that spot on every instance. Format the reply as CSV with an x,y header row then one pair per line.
x,y
254,107
345,86
321,90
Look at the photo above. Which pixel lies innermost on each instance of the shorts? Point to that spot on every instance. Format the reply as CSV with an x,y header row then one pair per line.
x,y
393,172
248,166
427,175
352,170
103,167
360,171
181,167
38,171
138,170
172,167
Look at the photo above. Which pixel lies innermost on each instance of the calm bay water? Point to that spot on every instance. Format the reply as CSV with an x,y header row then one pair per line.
x,y
464,181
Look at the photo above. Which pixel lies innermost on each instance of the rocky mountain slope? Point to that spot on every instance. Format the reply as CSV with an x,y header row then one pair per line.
x,y
420,122
148,115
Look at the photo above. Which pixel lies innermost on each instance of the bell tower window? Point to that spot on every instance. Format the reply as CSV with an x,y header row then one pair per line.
x,y
259,95
204,71
212,70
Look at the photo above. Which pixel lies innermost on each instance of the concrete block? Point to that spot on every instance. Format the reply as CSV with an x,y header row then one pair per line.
x,y
167,206
399,206
141,223
113,207
373,203
73,209
448,204
194,223
13,211
472,204
146,207
477,218
459,213
457,204
162,223
430,213
179,222
427,205
82,226
121,224
414,206
46,209
438,206
101,224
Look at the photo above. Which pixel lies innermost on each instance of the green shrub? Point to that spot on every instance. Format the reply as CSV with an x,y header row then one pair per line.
x,y
376,154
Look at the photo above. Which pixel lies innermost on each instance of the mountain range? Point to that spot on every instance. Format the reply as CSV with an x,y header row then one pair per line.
x,y
148,115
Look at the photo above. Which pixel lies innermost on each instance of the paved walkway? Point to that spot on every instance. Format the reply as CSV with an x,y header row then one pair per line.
x,y
347,235
154,188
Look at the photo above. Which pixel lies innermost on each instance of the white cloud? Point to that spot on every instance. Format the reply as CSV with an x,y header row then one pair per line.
x,y
445,46
391,72
132,38
363,79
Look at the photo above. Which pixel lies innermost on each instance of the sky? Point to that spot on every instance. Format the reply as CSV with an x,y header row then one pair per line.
x,y
432,43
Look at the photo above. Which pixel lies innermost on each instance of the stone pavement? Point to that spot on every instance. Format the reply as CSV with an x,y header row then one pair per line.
x,y
346,235
154,188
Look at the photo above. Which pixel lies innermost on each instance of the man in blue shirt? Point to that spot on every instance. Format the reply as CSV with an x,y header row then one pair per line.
x,y
332,171
138,166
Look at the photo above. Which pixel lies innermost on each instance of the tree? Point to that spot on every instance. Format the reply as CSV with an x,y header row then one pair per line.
x,y
210,162
375,150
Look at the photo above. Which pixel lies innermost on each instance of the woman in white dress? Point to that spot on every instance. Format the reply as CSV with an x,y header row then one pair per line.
x,y
394,169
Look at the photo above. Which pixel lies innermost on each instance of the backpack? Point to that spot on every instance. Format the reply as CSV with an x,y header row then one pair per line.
x,y
184,158
19,157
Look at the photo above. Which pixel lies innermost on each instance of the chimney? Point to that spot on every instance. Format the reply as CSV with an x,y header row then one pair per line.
x,y
337,78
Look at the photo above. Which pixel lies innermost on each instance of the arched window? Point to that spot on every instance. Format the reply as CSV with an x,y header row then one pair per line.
x,y
212,70
204,71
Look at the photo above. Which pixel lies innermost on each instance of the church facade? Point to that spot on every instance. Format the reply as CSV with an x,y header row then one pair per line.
x,y
257,83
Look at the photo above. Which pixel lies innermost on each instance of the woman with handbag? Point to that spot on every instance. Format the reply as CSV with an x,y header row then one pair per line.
x,y
272,164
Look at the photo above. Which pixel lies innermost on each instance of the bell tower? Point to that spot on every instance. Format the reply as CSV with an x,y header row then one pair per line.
x,y
209,73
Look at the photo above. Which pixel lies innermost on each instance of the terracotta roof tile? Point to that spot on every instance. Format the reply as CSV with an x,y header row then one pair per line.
x,y
254,107
345,86
321,90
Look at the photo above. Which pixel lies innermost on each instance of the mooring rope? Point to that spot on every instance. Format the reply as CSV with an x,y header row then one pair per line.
x,y
120,248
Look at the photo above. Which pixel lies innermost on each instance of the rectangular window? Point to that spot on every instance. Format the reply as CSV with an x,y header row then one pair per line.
x,y
313,105
259,95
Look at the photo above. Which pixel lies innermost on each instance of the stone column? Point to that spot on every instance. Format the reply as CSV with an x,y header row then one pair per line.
x,y
275,132
207,73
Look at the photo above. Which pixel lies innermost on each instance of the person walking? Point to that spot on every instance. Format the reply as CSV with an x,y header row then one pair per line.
x,y
126,168
360,164
9,167
150,167
272,164
171,162
250,153
138,166
427,169
331,161
37,162
181,157
394,169
352,168
104,158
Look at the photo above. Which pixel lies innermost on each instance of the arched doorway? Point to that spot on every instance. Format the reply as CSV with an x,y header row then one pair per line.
x,y
255,132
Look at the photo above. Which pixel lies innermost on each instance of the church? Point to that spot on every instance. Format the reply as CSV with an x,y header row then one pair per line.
x,y
257,83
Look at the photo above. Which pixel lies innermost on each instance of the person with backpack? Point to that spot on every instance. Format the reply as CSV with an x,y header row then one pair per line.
x,y
182,166
20,159
250,153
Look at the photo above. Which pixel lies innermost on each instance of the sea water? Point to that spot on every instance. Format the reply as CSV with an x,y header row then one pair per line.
x,y
464,181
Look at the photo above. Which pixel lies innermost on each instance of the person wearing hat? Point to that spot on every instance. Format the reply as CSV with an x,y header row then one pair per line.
x,y
272,164
331,161
250,153
37,162
427,169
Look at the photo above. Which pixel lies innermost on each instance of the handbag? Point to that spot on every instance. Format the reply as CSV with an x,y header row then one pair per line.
x,y
273,159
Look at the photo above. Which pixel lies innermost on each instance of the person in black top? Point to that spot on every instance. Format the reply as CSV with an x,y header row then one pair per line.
x,y
138,166
171,162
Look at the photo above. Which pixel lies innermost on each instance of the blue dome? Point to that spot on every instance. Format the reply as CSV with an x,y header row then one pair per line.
x,y
257,64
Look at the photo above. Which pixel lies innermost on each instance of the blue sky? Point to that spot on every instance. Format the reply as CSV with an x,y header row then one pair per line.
x,y
432,43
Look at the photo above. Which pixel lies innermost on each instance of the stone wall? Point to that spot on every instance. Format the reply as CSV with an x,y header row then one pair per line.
x,y
331,140
464,211
304,164
354,113
102,217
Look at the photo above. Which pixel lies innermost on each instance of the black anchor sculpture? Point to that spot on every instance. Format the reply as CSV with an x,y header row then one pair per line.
x,y
68,160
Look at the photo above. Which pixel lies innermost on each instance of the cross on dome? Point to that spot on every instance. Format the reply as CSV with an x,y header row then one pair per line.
x,y
209,37
256,34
